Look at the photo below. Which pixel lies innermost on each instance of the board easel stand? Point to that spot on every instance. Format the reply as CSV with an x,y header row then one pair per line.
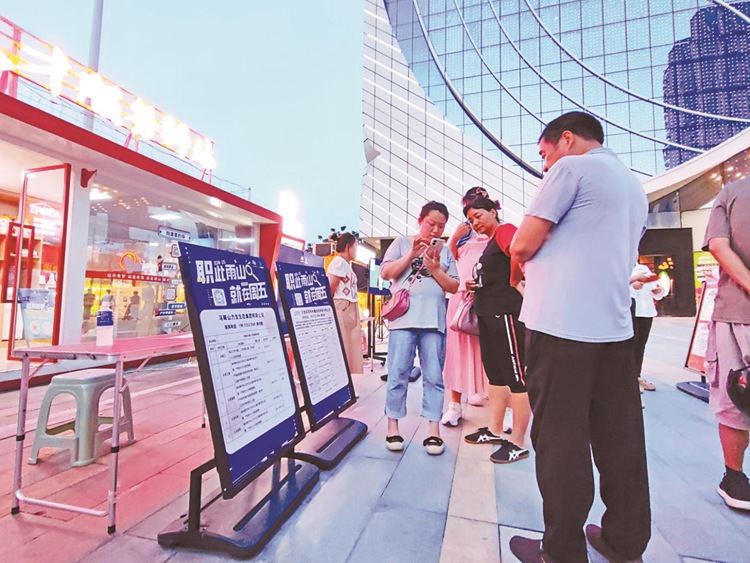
x,y
242,525
326,447
697,389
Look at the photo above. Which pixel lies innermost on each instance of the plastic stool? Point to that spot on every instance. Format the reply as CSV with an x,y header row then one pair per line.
x,y
87,387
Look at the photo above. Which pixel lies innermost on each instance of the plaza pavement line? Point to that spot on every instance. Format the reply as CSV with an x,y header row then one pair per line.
x,y
471,529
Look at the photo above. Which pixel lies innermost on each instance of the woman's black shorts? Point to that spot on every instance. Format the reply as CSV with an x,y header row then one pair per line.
x,y
502,340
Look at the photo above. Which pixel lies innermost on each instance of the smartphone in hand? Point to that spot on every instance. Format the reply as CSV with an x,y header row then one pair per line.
x,y
436,245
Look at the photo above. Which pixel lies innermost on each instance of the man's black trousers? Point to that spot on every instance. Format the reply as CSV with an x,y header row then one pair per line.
x,y
585,399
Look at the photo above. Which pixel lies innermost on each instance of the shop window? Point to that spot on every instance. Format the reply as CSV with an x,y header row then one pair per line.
x,y
132,254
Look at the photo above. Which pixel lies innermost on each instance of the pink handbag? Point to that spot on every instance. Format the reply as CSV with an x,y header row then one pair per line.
x,y
465,320
399,303
397,306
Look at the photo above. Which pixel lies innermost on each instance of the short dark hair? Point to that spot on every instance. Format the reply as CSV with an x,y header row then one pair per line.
x,y
344,240
481,203
433,206
578,123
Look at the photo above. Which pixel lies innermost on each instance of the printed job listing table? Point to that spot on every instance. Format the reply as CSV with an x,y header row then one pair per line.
x,y
249,372
320,351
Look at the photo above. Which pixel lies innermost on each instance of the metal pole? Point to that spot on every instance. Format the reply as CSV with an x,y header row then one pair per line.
x,y
20,434
96,35
94,50
112,496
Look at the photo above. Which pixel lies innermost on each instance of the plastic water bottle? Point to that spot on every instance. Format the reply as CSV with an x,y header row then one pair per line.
x,y
105,326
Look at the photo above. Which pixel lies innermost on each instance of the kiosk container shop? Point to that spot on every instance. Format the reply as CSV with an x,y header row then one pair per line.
x,y
97,187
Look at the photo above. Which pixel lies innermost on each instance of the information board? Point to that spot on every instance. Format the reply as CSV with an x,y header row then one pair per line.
x,y
247,385
316,341
376,284
696,358
290,255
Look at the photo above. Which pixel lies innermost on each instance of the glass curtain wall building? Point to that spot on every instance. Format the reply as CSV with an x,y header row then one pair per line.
x,y
668,78
416,150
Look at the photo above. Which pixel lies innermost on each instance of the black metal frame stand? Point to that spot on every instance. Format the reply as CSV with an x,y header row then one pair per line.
x,y
326,447
378,324
242,525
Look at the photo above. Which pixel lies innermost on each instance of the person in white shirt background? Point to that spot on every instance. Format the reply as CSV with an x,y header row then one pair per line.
x,y
343,282
645,287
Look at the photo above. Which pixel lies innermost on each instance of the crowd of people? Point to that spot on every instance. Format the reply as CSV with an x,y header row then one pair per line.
x,y
525,331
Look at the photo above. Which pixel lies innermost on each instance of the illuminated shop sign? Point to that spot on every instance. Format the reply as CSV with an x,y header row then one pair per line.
x,y
24,55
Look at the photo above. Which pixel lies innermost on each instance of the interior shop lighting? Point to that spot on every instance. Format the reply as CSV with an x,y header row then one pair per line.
x,y
237,240
99,195
165,216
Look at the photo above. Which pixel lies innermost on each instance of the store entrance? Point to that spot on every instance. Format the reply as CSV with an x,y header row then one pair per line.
x,y
33,193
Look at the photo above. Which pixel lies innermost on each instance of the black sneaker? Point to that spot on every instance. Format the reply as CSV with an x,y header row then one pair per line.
x,y
483,436
735,490
508,452
384,377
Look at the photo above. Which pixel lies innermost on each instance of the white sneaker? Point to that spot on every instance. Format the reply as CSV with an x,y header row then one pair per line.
x,y
452,415
508,421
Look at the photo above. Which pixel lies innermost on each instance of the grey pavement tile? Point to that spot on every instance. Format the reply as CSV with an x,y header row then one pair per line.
x,y
397,534
693,526
422,481
519,503
128,548
327,525
469,540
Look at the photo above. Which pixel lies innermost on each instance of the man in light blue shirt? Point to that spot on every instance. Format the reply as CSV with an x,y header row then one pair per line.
x,y
578,243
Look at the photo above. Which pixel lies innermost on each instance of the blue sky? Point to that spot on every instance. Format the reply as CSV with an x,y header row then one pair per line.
x,y
276,85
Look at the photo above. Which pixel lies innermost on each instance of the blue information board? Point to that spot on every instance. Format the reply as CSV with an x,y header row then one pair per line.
x,y
290,255
249,393
316,341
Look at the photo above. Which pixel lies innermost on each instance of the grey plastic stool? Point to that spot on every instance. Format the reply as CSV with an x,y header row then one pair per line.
x,y
87,387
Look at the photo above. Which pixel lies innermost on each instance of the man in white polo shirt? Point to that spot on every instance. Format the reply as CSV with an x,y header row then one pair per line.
x,y
578,243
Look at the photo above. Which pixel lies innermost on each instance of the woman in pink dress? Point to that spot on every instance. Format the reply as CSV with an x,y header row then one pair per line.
x,y
463,373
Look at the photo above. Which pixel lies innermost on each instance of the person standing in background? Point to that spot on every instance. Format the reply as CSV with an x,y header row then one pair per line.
x,y
728,240
644,289
343,282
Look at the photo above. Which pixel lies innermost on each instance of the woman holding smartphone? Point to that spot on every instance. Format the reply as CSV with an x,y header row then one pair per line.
x,y
497,303
432,271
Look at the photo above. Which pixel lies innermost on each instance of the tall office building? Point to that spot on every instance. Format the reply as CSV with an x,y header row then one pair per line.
x,y
708,72
446,79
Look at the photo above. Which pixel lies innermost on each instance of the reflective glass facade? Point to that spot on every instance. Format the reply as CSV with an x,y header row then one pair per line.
x,y
646,68
414,152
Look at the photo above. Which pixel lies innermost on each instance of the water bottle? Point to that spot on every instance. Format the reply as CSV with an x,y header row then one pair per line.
x,y
105,326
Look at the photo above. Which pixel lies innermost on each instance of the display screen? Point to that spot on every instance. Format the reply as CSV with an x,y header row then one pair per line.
x,y
376,284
